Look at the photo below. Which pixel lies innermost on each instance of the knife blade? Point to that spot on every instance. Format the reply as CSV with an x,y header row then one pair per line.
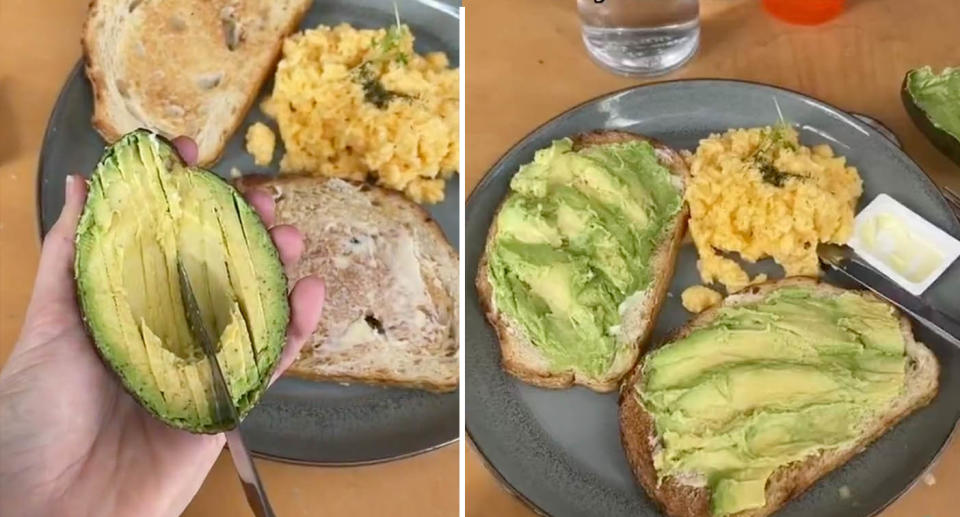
x,y
224,409
845,261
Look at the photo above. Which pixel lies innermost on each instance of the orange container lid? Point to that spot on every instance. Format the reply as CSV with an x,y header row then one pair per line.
x,y
805,12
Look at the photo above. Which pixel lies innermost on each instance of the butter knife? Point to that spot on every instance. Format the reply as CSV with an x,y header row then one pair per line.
x,y
224,410
845,261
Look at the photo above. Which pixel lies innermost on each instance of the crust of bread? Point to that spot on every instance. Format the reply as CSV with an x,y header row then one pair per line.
x,y
307,369
521,358
104,120
682,500
374,379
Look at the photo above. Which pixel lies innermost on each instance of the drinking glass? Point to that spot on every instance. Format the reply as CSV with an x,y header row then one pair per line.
x,y
640,37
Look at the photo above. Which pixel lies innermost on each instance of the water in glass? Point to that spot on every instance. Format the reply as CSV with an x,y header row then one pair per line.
x,y
640,37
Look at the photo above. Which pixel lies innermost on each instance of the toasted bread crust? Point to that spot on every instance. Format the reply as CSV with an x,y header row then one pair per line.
x,y
373,379
383,197
518,356
103,120
638,435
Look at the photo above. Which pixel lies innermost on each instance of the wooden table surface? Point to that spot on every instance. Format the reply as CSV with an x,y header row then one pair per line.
x,y
526,64
39,44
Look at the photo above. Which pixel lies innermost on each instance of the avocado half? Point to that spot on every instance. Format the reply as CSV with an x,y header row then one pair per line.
x,y
933,102
145,208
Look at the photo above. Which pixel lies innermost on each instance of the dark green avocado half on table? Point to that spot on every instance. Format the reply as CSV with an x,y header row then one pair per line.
x,y
144,209
933,102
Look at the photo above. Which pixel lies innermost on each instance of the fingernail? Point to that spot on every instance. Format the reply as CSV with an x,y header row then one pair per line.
x,y
69,182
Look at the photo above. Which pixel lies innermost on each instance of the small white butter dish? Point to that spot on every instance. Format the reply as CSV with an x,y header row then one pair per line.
x,y
902,245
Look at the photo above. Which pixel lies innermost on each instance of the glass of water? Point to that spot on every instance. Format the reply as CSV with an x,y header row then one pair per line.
x,y
640,37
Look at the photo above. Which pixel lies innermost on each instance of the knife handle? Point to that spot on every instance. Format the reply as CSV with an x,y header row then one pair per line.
x,y
262,507
247,472
939,323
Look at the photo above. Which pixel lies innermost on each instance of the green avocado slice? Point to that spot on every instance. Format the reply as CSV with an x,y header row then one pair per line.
x,y
933,102
146,208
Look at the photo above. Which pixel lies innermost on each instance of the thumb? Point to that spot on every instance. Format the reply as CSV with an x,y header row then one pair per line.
x,y
54,283
306,306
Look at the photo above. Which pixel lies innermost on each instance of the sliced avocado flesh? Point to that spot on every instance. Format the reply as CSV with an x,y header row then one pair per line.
x,y
144,210
573,241
933,102
768,384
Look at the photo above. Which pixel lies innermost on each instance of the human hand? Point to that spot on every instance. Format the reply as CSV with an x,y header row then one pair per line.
x,y
72,441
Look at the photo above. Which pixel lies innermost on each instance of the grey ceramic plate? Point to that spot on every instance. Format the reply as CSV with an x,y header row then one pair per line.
x,y
560,450
298,420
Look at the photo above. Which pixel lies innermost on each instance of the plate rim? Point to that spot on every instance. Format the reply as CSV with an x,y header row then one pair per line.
x,y
860,124
359,463
508,487
45,141
488,179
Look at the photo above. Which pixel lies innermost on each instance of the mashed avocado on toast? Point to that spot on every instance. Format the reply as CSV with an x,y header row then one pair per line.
x,y
767,384
145,209
573,243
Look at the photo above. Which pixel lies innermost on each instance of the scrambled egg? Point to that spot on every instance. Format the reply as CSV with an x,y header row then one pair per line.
x,y
354,104
759,193
697,298
261,143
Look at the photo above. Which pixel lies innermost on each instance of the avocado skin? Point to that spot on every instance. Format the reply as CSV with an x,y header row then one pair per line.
x,y
277,278
942,140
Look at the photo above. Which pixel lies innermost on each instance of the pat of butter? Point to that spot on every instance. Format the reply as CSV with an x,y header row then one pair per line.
x,y
888,238
902,245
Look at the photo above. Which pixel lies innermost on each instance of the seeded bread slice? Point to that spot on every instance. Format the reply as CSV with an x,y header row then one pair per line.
x,y
524,360
391,314
682,498
182,67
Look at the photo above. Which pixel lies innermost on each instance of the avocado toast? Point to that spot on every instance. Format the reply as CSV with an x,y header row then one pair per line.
x,y
568,216
145,212
813,403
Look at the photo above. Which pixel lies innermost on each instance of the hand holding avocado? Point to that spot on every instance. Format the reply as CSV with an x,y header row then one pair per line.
x,y
73,442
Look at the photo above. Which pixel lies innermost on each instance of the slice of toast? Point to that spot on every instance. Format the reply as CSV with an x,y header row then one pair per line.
x,y
182,67
679,499
524,360
391,314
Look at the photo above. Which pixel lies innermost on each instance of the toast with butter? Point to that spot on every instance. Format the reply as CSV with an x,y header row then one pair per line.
x,y
391,313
